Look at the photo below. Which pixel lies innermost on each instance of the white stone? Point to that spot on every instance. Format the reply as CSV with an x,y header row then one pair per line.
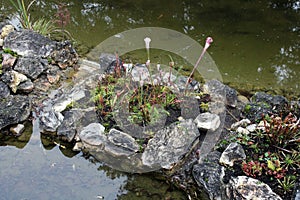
x,y
78,146
18,129
242,123
61,106
17,79
242,130
207,121
6,30
251,128
262,125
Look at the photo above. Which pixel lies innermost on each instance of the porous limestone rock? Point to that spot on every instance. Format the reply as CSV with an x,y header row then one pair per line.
x,y
208,121
232,153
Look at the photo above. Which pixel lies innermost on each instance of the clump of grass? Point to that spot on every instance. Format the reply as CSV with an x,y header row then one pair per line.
x,y
43,26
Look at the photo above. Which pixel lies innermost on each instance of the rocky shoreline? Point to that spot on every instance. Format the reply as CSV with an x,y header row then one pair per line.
x,y
47,81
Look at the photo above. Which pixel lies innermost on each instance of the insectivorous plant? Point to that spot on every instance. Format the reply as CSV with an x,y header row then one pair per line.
x,y
208,42
147,44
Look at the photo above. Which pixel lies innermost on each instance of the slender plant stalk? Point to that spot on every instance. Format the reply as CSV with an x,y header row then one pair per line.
x,y
209,40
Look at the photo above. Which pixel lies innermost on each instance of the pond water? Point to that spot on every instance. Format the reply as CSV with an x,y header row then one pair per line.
x,y
256,46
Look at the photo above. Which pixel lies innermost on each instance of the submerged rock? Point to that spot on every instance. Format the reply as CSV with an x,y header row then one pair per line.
x,y
17,130
14,109
170,144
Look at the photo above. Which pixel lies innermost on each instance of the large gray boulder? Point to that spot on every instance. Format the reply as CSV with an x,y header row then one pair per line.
x,y
31,66
14,109
68,128
29,43
170,144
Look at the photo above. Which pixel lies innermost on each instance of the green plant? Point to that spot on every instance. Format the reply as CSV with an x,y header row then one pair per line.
x,y
11,52
287,184
291,160
42,26
23,12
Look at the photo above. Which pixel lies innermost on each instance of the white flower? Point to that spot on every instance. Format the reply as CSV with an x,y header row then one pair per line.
x,y
147,42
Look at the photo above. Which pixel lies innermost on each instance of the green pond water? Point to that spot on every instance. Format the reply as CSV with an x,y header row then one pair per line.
x,y
256,46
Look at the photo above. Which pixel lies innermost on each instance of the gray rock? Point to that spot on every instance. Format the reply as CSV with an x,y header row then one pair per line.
x,y
208,121
296,193
64,55
29,43
170,144
105,60
181,84
93,134
254,111
209,174
13,79
232,153
69,125
17,130
8,61
4,90
26,86
14,109
246,188
49,119
189,107
141,74
32,66
215,87
123,140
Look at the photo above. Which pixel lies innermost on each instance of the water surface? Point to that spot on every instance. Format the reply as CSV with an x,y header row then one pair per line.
x,y
256,46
